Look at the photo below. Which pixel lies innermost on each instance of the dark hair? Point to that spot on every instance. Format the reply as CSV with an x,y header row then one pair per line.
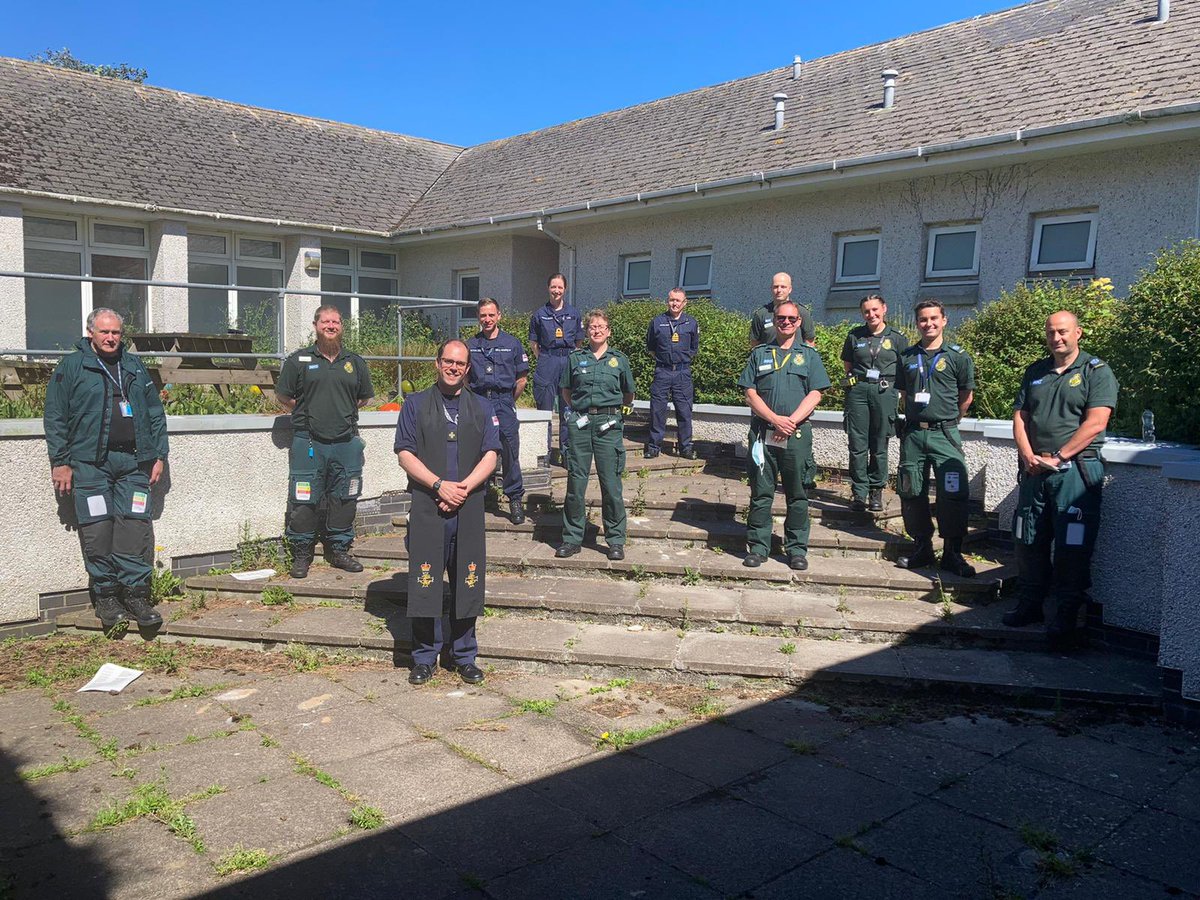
x,y
557,275
878,297
446,343
929,303
597,313
327,307
487,301
677,290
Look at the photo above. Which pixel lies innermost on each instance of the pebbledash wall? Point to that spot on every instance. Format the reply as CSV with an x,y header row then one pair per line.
x,y
226,473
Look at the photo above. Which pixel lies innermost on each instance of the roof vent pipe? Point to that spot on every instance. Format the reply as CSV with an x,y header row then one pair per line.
x,y
779,99
1164,10
797,62
889,87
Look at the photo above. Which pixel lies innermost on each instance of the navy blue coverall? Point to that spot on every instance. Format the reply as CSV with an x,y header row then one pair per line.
x,y
674,343
496,366
556,332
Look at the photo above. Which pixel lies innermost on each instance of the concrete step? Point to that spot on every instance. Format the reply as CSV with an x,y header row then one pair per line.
x,y
607,650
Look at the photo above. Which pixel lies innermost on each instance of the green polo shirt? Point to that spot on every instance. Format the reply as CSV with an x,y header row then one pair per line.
x,y
943,372
597,382
1058,403
762,323
864,351
783,378
326,393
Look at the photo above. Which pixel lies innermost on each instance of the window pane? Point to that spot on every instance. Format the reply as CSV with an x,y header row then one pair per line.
x,y
127,299
860,258
377,308
372,260
695,271
468,288
255,249
258,311
335,282
53,319
637,277
212,244
55,229
122,235
1064,242
954,250
208,310
335,256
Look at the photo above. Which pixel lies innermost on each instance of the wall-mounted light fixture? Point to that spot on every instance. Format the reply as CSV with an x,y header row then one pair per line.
x,y
312,262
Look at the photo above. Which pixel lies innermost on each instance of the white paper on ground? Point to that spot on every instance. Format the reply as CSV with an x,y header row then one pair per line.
x,y
253,576
111,678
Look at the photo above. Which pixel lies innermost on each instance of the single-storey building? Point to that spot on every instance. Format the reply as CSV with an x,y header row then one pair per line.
x,y
1054,139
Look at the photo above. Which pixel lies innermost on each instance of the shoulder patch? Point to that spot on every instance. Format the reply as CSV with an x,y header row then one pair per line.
x,y
956,348
1095,363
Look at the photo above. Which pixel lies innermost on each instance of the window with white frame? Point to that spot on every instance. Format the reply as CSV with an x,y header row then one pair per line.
x,y
56,311
359,273
953,252
695,270
247,261
1063,242
858,258
636,279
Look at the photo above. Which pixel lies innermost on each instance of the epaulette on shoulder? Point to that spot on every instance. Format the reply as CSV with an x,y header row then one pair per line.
x,y
957,348
1095,362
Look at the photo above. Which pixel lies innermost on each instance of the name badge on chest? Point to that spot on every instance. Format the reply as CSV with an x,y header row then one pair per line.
x,y
872,374
921,398
126,409
674,337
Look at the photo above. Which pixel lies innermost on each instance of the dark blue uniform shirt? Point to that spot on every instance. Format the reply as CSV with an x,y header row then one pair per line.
x,y
410,415
496,364
553,329
673,342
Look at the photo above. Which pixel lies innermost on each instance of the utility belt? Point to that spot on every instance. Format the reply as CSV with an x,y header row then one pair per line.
x,y
123,447
673,367
556,351
851,380
1068,464
913,425
601,410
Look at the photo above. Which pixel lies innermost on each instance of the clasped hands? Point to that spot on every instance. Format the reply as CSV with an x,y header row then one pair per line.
x,y
451,495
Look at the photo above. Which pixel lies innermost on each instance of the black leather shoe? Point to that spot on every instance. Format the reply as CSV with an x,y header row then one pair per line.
x,y
470,673
753,561
921,557
798,561
137,603
875,501
566,550
687,453
108,607
616,552
1026,613
516,511
650,452
953,562
858,504
341,559
302,557
420,673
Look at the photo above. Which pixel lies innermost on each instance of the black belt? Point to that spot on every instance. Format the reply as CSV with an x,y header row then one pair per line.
x,y
1082,454
493,393
603,410
126,447
304,435
939,426
673,367
557,351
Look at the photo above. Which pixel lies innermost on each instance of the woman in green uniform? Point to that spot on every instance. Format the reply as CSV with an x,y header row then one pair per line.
x,y
871,357
595,385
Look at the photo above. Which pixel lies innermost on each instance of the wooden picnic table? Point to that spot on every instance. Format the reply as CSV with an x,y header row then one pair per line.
x,y
221,372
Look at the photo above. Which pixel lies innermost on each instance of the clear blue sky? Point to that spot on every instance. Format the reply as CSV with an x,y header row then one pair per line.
x,y
461,72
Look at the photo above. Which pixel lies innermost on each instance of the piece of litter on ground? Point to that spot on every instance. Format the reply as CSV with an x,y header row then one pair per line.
x,y
111,678
635,628
457,694
253,576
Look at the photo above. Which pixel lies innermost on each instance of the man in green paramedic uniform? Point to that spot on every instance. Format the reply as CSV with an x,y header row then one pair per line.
x,y
597,386
1061,413
324,386
107,437
871,357
938,383
783,381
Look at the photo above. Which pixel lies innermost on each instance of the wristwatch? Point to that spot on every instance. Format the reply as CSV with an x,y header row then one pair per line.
x,y
437,485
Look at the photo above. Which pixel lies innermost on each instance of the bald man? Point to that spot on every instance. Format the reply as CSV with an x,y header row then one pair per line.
x,y
762,323
1059,419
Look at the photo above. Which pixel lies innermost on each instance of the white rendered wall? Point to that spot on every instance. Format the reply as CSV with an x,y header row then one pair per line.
x,y
1180,643
12,259
299,308
168,262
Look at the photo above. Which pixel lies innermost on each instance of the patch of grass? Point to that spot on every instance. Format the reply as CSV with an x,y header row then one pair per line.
x,y
304,767
619,740
162,658
274,595
152,800
712,685
541,707
708,707
67,765
612,683
366,817
1037,838
268,741
304,659
802,748
691,576
787,649
329,604
638,572
241,859
182,693
375,625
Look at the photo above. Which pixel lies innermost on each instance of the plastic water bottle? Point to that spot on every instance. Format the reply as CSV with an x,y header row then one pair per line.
x,y
1147,427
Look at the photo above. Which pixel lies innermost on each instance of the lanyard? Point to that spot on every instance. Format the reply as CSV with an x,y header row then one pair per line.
x,y
923,379
120,376
874,346
453,420
775,359
673,325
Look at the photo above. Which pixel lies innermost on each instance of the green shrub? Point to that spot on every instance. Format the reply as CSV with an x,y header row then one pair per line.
x,y
829,340
1158,328
1008,334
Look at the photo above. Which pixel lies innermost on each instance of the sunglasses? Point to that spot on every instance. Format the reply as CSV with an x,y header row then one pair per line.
x,y
787,319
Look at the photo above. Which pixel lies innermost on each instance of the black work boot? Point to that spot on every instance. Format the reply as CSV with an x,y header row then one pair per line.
x,y
137,603
875,500
953,560
106,602
920,557
858,504
516,511
1027,612
1062,631
302,557
341,559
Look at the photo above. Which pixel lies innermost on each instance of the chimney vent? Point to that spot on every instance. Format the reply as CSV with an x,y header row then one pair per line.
x,y
780,99
1164,10
797,62
889,87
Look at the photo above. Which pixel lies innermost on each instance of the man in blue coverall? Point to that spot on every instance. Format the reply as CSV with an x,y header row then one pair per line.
x,y
673,337
554,331
498,371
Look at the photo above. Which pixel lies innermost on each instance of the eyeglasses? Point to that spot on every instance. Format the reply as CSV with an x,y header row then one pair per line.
x,y
787,319
451,364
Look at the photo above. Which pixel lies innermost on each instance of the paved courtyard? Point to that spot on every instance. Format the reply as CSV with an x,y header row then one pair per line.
x,y
260,780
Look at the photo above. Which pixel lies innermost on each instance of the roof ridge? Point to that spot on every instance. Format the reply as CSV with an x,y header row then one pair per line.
x,y
57,71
